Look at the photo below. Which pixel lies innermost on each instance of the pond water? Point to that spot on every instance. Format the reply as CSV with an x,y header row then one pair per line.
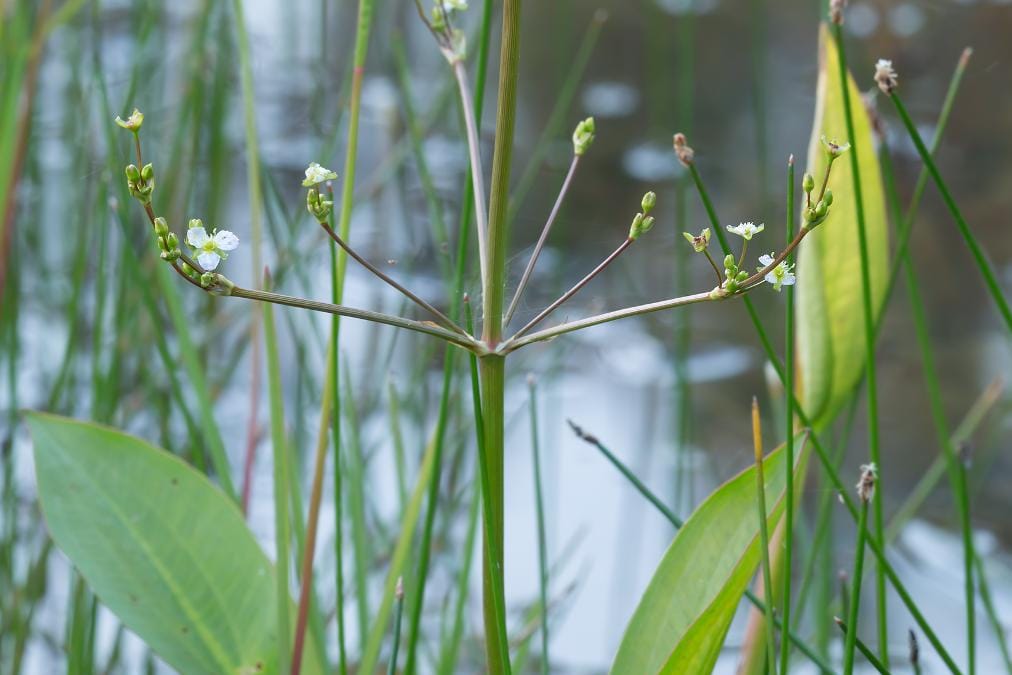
x,y
618,380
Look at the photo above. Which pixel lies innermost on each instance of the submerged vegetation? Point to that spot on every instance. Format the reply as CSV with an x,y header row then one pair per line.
x,y
169,541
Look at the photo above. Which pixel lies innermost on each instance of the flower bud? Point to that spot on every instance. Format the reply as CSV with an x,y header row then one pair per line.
x,y
729,262
682,150
808,182
148,172
163,246
161,227
583,136
133,174
828,197
821,209
207,279
172,241
741,276
648,202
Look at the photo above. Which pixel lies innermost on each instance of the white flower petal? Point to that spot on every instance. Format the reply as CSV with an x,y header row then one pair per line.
x,y
789,279
225,240
208,260
765,260
196,237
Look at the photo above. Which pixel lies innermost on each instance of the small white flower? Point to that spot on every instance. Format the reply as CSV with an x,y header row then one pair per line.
x,y
316,174
885,76
781,275
455,5
747,230
211,249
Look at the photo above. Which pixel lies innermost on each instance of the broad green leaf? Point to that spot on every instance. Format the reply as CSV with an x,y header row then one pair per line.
x,y
830,311
161,547
686,610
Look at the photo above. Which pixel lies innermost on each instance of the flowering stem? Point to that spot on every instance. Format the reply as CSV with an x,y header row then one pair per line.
x,y
785,605
575,289
541,241
477,181
869,338
741,258
440,317
855,591
467,343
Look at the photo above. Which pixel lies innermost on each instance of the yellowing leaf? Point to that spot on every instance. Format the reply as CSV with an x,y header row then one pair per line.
x,y
830,328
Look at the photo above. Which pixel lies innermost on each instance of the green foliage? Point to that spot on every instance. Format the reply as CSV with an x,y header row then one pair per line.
x,y
161,547
831,351
687,608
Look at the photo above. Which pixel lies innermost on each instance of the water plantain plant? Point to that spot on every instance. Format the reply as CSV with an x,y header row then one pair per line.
x,y
170,555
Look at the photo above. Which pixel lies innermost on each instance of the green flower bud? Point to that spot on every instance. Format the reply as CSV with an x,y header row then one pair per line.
x,y
133,174
821,209
634,228
148,172
583,136
741,276
828,197
729,262
161,227
190,272
808,182
172,242
648,202
194,222
207,279
163,245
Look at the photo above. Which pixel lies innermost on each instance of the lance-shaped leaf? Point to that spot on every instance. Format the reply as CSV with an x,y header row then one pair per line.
x,y
161,547
686,610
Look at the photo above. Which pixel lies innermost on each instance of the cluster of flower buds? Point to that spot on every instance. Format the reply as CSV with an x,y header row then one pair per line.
x,y
168,243
814,214
733,275
141,182
583,136
643,221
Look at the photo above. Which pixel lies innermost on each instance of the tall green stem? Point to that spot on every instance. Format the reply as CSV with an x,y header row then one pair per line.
x,y
869,340
492,367
493,383
785,605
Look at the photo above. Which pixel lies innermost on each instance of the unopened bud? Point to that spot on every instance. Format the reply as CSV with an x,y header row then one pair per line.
x,y
583,136
729,262
161,227
648,202
207,279
172,241
133,174
828,197
148,172
866,484
808,182
821,209
682,150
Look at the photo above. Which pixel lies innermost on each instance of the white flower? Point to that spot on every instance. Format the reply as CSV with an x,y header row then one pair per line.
x,y
747,230
455,5
316,174
210,250
885,76
781,275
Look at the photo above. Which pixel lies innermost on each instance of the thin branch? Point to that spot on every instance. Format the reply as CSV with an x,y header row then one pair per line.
x,y
541,241
477,182
439,316
573,291
426,327
517,342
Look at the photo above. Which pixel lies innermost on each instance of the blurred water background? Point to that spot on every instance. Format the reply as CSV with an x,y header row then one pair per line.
x,y
668,393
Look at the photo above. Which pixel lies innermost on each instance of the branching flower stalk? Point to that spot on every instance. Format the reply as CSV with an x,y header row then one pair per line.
x,y
489,347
